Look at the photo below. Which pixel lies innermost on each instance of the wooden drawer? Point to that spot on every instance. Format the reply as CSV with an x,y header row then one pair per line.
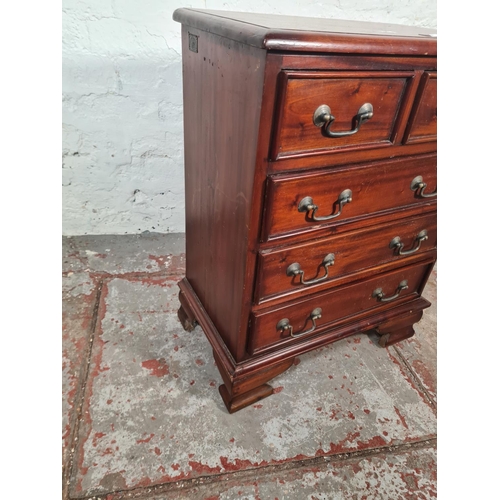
x,y
376,188
344,93
422,125
352,252
340,305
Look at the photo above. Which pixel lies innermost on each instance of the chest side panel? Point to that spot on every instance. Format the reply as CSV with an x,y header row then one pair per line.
x,y
222,81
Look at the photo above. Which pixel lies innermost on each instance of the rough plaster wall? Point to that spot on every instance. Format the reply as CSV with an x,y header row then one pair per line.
x,y
122,103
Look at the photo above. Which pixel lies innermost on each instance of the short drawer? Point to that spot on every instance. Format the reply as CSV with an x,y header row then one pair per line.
x,y
310,266
309,202
422,125
302,128
340,305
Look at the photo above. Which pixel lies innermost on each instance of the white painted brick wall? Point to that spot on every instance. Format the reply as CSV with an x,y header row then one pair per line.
x,y
122,103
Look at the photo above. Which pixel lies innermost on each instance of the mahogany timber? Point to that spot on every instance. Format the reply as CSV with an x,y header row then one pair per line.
x,y
232,372
365,249
247,390
235,403
185,315
358,62
339,305
395,330
422,125
306,34
233,67
345,93
220,138
375,187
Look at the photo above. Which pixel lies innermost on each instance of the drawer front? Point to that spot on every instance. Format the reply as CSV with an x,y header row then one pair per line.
x,y
374,188
340,305
320,264
422,125
344,93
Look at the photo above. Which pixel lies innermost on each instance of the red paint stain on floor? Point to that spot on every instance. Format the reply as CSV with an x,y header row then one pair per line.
x,y
347,444
150,281
403,421
200,468
146,440
340,446
374,442
277,390
97,435
158,367
238,464
94,372
144,482
425,375
356,468
406,376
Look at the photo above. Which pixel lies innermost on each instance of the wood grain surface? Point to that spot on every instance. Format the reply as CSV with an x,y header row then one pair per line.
x,y
340,304
422,125
375,187
251,85
344,93
222,97
354,251
306,34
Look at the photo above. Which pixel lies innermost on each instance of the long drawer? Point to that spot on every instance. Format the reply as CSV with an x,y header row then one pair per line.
x,y
307,267
298,320
312,201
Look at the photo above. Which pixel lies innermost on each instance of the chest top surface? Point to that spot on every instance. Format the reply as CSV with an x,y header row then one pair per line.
x,y
293,33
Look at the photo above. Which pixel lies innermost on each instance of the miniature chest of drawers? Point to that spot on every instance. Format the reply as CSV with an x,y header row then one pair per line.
x,y
310,177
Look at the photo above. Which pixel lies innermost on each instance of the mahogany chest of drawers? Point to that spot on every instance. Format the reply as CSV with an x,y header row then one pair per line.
x,y
310,177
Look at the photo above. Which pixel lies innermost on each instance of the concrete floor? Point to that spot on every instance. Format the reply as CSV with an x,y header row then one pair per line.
x,y
143,419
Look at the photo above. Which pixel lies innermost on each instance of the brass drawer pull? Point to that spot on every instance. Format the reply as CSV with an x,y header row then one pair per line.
x,y
379,294
295,269
284,324
323,118
307,205
398,246
419,184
